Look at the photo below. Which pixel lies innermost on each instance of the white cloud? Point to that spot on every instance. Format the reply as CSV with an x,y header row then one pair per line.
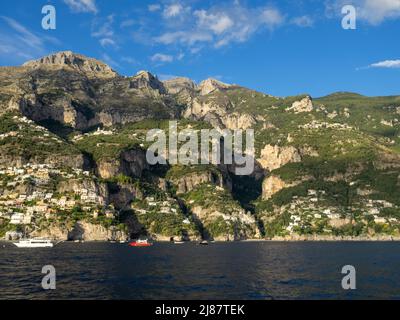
x,y
303,21
173,10
154,7
19,44
163,58
218,22
103,30
271,17
372,11
219,25
107,42
24,34
386,64
127,23
82,5
184,37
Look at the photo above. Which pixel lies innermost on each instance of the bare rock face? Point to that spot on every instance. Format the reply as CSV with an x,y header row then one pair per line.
x,y
272,185
83,230
236,121
89,66
82,92
304,105
178,85
243,225
200,109
145,80
54,232
123,195
189,182
210,85
130,163
219,114
274,157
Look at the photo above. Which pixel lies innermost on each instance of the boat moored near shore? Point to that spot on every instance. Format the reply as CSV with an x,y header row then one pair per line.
x,y
34,243
140,243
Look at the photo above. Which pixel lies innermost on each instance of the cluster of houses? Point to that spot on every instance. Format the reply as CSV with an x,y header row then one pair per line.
x,y
98,132
324,125
310,209
168,206
39,172
22,208
151,204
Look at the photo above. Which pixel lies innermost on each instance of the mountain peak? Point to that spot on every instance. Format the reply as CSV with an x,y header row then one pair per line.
x,y
209,85
179,84
145,79
69,59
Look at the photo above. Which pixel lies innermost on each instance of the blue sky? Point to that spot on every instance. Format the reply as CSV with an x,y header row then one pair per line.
x,y
282,48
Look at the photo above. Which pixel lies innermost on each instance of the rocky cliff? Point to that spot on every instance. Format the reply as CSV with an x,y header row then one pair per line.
x,y
72,142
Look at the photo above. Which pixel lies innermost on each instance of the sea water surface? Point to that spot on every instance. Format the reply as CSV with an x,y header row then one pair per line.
x,y
238,270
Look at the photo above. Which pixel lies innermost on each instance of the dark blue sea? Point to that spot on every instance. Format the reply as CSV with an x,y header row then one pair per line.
x,y
237,270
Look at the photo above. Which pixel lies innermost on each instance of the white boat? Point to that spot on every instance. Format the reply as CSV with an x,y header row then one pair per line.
x,y
34,243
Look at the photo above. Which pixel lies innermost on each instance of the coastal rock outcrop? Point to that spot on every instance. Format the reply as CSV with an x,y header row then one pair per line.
x,y
236,225
86,231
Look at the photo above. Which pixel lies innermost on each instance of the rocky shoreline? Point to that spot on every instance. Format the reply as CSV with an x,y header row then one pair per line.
x,y
275,239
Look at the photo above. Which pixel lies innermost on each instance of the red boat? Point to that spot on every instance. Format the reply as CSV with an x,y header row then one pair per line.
x,y
140,243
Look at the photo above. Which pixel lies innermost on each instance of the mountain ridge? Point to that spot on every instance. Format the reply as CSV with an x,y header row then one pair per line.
x,y
325,167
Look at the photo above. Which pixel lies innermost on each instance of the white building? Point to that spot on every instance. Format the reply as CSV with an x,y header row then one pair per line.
x,y
17,218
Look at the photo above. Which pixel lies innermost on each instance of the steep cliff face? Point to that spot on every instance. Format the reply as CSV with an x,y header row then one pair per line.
x,y
121,195
81,230
82,92
219,114
322,160
218,215
130,163
273,157
180,85
210,85
145,80
93,232
272,185
202,108
235,121
55,232
68,59
223,226
190,181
